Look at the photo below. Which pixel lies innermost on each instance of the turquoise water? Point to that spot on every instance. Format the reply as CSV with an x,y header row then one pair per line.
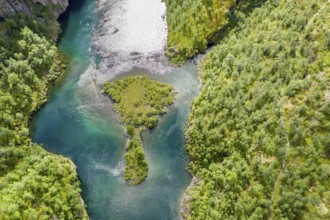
x,y
79,123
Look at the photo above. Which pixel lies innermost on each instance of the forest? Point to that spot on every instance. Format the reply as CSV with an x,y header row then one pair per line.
x,y
34,184
191,24
258,134
194,25
139,101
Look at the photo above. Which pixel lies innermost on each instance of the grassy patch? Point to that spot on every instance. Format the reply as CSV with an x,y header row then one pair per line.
x,y
139,102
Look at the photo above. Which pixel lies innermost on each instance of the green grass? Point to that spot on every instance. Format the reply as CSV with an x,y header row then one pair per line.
x,y
139,101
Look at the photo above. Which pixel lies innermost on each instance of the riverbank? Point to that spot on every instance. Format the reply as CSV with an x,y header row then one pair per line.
x,y
27,69
186,198
281,92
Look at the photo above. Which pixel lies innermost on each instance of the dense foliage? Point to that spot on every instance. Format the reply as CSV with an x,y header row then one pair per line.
x,y
191,23
258,134
10,31
23,85
139,101
34,184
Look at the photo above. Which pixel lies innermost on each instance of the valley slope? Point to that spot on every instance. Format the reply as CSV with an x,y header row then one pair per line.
x,y
258,134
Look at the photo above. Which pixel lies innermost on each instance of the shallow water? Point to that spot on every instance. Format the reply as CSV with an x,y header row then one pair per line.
x,y
79,122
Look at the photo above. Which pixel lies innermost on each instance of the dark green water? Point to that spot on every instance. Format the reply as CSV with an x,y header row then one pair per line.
x,y
79,123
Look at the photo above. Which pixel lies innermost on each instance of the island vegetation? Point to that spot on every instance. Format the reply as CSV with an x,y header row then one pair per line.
x,y
138,101
258,134
34,184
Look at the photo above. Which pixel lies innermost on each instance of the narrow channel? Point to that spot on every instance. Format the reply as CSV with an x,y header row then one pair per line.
x,y
107,39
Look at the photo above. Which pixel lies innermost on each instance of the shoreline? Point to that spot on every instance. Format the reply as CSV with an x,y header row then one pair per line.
x,y
185,200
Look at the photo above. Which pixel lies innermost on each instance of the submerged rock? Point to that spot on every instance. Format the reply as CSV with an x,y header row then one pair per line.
x,y
115,30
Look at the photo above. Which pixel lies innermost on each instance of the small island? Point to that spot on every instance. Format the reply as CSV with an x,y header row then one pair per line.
x,y
139,101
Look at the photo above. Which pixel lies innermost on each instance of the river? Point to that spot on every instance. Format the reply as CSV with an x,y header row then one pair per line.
x,y
108,39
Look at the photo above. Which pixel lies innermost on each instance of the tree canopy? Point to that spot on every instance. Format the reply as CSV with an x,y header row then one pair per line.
x,y
258,134
191,23
34,184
